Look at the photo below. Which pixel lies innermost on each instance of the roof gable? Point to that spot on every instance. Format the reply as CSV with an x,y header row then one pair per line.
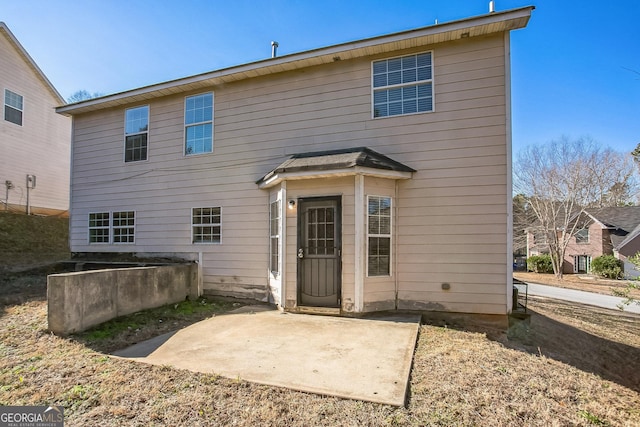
x,y
13,41
491,23
625,218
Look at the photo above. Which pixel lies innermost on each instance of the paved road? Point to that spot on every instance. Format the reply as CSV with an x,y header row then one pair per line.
x,y
599,300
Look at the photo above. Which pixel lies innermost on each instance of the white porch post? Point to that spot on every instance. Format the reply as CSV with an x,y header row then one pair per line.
x,y
360,243
283,244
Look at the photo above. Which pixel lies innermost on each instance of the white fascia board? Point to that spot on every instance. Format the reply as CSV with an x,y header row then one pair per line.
x,y
333,173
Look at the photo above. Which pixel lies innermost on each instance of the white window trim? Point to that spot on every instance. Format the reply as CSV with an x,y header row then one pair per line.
x,y
124,138
278,236
197,225
4,103
390,235
585,242
89,228
185,125
432,81
575,263
111,227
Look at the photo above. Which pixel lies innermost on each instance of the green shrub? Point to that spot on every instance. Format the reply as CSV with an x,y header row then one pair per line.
x,y
607,266
540,264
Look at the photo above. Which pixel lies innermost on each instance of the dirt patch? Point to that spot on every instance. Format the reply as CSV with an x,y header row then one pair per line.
x,y
571,365
578,282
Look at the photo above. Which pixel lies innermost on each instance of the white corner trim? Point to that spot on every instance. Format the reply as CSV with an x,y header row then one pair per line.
x,y
360,244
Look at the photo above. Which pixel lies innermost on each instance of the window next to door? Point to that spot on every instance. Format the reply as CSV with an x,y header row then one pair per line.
x,y
379,236
274,238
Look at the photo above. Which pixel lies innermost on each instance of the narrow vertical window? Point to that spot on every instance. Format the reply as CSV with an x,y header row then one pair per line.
x,y
124,227
136,133
206,225
274,236
198,122
99,227
13,106
379,236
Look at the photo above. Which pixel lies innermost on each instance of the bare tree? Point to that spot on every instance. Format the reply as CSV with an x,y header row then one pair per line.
x,y
82,95
560,179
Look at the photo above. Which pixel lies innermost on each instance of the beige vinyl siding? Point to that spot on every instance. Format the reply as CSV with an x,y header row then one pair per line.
x,y
40,146
451,216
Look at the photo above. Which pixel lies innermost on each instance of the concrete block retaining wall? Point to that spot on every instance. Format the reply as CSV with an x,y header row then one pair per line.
x,y
78,301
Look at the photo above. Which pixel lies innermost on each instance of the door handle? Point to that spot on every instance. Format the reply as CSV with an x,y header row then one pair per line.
x,y
300,253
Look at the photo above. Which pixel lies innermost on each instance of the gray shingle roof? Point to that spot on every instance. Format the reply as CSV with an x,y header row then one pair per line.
x,y
625,218
337,159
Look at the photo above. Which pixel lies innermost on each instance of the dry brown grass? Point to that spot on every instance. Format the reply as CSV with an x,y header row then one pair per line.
x,y
572,365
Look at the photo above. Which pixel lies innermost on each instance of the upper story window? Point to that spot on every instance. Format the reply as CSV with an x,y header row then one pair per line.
x,y
136,133
582,236
13,104
198,122
403,85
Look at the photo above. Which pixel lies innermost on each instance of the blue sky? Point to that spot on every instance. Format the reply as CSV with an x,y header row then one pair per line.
x,y
570,67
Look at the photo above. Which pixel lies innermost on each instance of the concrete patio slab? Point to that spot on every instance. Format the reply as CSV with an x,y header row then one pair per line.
x,y
365,359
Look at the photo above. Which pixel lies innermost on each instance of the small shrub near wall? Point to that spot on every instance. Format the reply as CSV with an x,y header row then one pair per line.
x,y
540,264
607,266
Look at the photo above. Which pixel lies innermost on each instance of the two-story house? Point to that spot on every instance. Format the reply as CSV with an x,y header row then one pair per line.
x,y
34,140
371,175
601,231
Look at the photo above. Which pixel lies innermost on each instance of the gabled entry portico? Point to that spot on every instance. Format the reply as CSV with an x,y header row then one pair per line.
x,y
333,219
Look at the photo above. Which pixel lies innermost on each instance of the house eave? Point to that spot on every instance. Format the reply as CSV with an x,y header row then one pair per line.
x,y
30,62
470,27
277,178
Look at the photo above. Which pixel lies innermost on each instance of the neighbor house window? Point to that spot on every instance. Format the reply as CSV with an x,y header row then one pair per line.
x,y
582,236
13,107
99,227
205,224
581,264
403,85
123,227
379,236
116,227
274,236
136,134
198,122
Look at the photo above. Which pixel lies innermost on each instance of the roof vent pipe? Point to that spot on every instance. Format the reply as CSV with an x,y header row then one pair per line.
x,y
274,49
492,6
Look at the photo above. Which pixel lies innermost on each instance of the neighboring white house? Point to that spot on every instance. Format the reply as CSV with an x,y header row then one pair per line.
x,y
366,176
34,140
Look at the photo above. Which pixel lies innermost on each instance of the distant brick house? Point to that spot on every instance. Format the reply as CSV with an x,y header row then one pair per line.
x,y
610,231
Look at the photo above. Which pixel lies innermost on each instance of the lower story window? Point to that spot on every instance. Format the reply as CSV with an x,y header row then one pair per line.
x,y
116,227
99,227
274,237
379,236
123,227
206,225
